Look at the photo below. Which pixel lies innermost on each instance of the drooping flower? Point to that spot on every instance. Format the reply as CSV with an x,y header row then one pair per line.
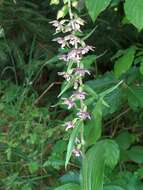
x,y
69,102
69,125
74,55
68,40
76,24
79,95
72,39
67,28
76,152
55,23
64,57
61,41
59,25
86,49
66,75
83,115
81,72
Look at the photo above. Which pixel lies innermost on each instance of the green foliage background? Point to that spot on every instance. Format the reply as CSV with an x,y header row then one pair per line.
x,y
33,141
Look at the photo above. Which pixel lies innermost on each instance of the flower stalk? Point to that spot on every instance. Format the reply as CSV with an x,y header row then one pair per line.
x,y
75,71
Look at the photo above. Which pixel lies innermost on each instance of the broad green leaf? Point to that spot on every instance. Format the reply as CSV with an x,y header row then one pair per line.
x,y
134,96
141,68
69,186
125,139
93,170
95,7
108,91
134,12
102,154
93,127
70,177
136,154
113,187
90,91
123,64
114,100
71,143
128,181
106,81
111,153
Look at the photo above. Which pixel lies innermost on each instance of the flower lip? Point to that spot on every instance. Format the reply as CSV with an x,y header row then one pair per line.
x,y
72,39
55,23
66,75
59,40
63,57
86,49
83,115
68,40
79,95
76,54
81,72
69,125
69,102
59,25
76,24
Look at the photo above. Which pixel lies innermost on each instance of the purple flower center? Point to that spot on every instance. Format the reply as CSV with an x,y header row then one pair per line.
x,y
83,115
81,72
79,95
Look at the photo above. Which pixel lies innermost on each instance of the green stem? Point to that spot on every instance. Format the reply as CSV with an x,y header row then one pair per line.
x,y
82,140
70,10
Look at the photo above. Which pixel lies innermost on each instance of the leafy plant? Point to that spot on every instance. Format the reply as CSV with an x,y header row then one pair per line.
x,y
101,152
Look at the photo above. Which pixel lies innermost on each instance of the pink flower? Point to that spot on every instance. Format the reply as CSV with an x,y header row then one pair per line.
x,y
76,152
66,75
81,72
70,103
69,125
83,115
79,95
59,25
76,24
55,23
68,40
61,41
72,39
86,49
75,55
63,57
